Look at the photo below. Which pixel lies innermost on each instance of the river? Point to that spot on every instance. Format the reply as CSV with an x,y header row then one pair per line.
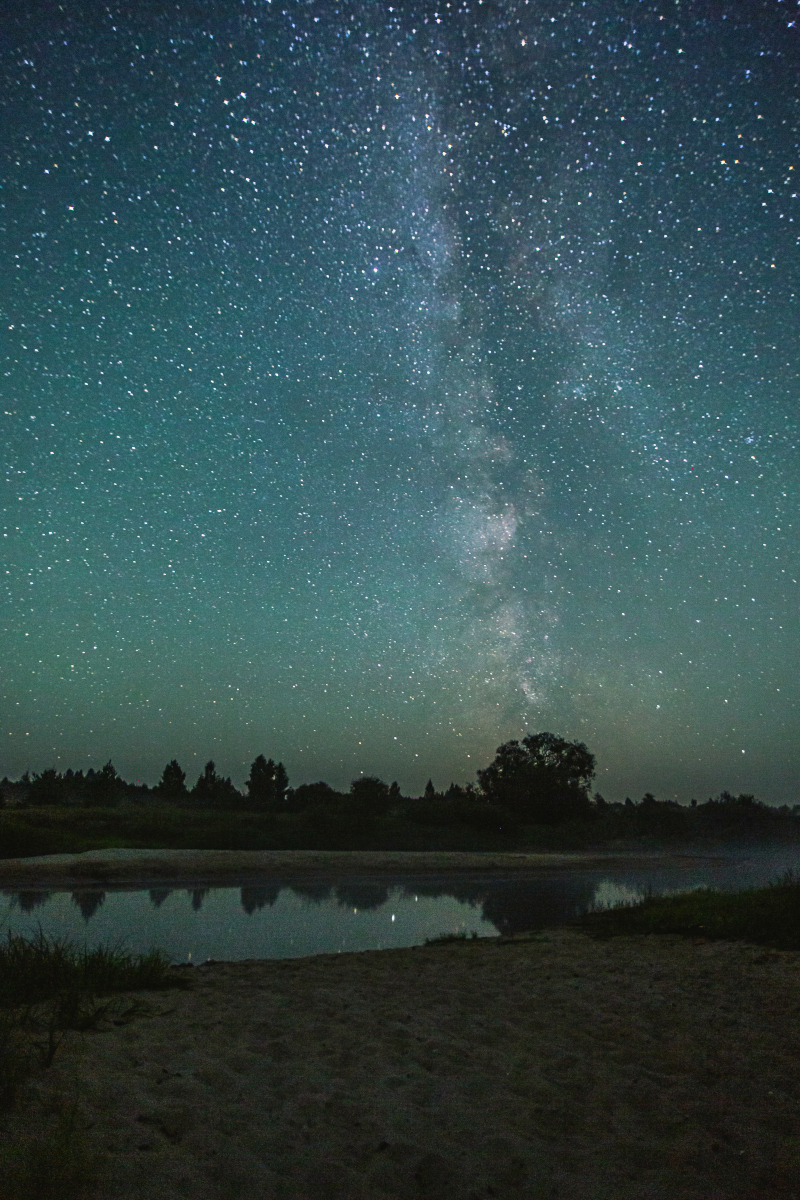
x,y
304,916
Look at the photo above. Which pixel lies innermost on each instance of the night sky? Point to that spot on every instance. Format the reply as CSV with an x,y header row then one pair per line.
x,y
384,382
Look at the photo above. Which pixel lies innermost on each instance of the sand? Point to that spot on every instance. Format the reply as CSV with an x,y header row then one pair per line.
x,y
546,1066
144,867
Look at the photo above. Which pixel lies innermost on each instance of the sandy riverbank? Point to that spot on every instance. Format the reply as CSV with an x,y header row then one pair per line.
x,y
556,1066
143,867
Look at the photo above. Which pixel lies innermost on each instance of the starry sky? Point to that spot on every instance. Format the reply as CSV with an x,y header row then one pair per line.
x,y
382,382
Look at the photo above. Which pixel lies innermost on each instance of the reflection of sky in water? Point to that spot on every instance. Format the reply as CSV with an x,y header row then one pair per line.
x,y
276,920
212,923
608,893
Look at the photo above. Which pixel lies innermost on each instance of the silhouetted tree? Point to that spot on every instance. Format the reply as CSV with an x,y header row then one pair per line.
x,y
430,790
370,795
172,784
544,779
311,795
104,786
261,781
47,788
212,791
281,783
267,784
203,790
394,793
745,800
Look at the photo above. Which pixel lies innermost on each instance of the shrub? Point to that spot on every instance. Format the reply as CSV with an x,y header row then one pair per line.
x,y
19,839
482,816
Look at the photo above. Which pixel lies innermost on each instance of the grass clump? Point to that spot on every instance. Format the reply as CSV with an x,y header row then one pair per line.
x,y
38,969
48,986
768,915
444,939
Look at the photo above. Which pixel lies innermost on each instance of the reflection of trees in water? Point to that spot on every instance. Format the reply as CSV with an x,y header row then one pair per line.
x,y
253,898
514,905
88,902
511,905
350,894
317,893
537,903
198,896
470,892
364,896
28,901
158,896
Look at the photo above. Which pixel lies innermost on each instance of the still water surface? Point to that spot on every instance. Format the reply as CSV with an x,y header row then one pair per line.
x,y
290,919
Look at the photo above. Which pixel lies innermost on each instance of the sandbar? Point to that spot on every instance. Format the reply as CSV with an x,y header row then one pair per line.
x,y
132,867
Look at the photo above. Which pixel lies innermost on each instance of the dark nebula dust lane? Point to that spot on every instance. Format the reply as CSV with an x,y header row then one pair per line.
x,y
383,382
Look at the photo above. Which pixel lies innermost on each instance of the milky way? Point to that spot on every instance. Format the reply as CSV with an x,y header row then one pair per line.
x,y
384,382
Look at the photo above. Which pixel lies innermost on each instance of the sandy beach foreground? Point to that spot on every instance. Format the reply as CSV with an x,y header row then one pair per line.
x,y
143,867
547,1066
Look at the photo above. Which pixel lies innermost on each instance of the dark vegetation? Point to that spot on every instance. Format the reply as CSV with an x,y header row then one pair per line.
x,y
767,915
47,987
536,794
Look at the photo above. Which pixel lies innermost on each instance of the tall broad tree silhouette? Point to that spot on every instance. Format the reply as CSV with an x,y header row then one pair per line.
x,y
542,780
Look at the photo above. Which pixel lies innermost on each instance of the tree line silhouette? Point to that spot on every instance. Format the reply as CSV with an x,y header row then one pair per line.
x,y
543,780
